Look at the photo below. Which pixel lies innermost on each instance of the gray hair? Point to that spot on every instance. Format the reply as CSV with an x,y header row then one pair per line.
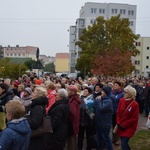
x,y
62,93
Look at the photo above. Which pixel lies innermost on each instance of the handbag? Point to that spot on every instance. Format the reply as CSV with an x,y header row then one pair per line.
x,y
148,122
44,128
115,129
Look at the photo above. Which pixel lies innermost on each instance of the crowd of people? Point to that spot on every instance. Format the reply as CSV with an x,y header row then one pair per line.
x,y
80,109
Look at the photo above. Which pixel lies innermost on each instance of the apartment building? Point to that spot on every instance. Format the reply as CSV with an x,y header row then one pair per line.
x,y
87,16
47,59
20,52
142,60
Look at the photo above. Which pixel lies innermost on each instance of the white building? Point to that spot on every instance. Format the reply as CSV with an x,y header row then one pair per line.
x,y
142,60
88,14
20,52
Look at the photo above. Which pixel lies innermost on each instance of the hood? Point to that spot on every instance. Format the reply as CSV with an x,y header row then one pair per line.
x,y
75,97
43,100
19,125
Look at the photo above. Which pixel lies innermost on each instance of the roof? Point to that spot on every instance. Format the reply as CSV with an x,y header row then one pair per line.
x,y
62,55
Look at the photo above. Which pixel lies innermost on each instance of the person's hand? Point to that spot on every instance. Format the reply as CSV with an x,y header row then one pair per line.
x,y
99,97
120,126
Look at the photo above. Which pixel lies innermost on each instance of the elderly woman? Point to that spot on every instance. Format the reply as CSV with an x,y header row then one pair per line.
x,y
17,133
59,118
127,116
35,115
74,117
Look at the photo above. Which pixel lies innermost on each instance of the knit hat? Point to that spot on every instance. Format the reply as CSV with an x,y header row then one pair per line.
x,y
72,88
38,81
106,89
131,91
28,90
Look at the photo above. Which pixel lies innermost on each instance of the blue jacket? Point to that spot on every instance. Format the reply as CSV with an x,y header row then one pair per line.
x,y
103,113
116,95
16,135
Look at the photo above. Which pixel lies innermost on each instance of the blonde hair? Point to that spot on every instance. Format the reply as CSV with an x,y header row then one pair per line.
x,y
40,91
16,108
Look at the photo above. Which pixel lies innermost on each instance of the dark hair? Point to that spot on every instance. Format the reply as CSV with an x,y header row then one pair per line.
x,y
89,89
4,86
117,82
100,85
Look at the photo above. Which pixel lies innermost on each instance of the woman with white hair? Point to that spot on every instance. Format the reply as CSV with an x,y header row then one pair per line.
x,y
127,116
35,114
59,118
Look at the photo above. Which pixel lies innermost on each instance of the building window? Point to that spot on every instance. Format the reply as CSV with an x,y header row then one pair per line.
x,y
18,54
114,11
138,44
102,11
7,54
147,48
23,54
10,54
93,10
137,62
92,21
131,23
130,12
122,11
147,67
147,57
15,54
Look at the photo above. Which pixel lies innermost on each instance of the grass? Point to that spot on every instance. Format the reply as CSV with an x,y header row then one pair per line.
x,y
140,141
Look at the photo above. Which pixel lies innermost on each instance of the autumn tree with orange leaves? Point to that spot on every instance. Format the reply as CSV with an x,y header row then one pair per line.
x,y
107,47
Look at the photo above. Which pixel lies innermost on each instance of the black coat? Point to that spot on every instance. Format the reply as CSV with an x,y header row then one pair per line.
x,y
59,118
35,114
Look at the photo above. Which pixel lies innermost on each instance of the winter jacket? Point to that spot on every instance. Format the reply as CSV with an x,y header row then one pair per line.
x,y
59,119
74,114
84,114
35,115
26,100
4,98
16,135
103,113
116,95
129,120
51,99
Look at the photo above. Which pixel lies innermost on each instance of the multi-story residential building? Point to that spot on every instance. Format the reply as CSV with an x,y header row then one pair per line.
x,y
20,52
142,60
88,14
47,59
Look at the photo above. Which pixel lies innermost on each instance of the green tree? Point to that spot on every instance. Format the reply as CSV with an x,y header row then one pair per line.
x,y
104,36
13,70
50,67
29,64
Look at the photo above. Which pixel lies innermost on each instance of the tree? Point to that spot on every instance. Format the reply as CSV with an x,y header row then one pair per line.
x,y
50,67
103,40
13,70
29,64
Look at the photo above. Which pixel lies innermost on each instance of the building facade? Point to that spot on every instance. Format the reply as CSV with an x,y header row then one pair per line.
x,y
62,62
88,14
20,52
142,60
47,59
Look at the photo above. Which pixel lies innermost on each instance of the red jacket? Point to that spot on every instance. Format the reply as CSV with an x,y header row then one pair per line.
x,y
51,99
129,120
74,116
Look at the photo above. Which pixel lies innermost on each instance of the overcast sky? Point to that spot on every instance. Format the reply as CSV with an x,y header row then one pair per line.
x,y
45,23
